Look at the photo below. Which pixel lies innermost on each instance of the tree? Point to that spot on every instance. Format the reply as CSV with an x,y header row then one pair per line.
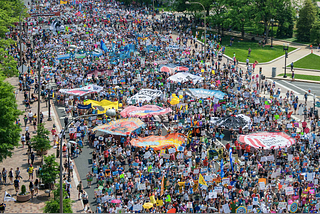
x,y
53,206
9,114
315,33
284,17
41,142
307,17
8,65
50,170
239,13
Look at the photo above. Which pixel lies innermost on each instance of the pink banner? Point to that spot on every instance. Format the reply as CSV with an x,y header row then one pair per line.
x,y
144,111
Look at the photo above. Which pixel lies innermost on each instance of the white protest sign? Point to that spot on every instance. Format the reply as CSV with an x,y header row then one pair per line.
x,y
290,157
172,150
289,191
309,177
270,158
147,155
264,159
142,186
226,208
282,205
262,186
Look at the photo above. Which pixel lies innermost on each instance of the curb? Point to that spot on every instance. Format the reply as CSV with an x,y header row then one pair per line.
x,y
295,80
264,63
303,69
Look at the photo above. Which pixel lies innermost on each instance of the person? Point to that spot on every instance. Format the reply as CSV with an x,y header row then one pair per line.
x,y
291,65
36,187
16,184
11,176
99,208
249,52
31,188
32,156
85,200
23,140
4,176
79,188
30,172
2,207
89,179
25,119
292,75
17,173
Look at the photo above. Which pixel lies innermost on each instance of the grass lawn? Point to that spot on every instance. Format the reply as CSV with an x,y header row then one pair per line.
x,y
302,77
240,48
311,61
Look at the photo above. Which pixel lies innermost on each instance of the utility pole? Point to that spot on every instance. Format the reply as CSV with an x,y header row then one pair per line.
x,y
39,83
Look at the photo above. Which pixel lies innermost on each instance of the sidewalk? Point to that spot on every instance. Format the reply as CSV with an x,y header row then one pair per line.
x,y
20,159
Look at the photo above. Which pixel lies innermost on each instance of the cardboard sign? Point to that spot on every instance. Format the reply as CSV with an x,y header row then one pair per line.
x,y
142,186
147,155
172,150
289,191
282,205
226,208
262,186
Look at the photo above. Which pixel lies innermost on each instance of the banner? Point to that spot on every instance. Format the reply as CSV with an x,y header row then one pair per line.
x,y
160,142
121,127
267,140
82,91
185,77
102,106
80,106
144,111
172,68
204,93
63,2
144,95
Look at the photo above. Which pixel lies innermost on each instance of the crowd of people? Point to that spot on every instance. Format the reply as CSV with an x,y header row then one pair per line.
x,y
123,50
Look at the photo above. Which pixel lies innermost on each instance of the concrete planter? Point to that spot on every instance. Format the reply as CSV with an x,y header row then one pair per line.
x,y
23,198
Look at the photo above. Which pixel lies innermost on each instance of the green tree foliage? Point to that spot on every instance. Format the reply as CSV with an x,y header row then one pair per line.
x,y
53,206
41,142
50,170
284,18
307,16
315,33
9,113
239,13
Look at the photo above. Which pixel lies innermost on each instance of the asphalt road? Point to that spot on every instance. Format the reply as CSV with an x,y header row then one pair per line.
x,y
301,87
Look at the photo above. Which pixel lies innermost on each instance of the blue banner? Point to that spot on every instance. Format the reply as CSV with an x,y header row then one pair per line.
x,y
80,106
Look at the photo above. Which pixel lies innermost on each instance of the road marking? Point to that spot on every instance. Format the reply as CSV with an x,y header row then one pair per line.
x,y
63,108
297,93
297,87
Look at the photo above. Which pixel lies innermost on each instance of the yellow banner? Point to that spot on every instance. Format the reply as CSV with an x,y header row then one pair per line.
x,y
105,104
63,2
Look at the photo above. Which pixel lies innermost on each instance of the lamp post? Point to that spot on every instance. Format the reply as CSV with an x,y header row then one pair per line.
x,y
49,106
285,48
272,21
39,86
69,147
205,29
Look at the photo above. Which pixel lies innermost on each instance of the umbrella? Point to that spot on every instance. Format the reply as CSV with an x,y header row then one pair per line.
x,y
116,201
148,205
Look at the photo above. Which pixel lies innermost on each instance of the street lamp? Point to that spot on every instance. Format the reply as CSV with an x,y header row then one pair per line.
x,y
49,106
285,48
69,147
205,29
272,21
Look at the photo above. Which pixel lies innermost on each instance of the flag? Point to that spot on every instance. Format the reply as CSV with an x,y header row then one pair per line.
x,y
230,156
103,46
221,168
162,186
8,197
168,199
201,180
152,199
